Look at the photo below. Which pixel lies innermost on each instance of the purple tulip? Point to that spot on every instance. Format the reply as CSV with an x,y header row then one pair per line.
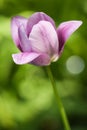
x,y
38,39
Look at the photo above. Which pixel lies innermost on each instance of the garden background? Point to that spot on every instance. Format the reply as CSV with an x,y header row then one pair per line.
x,y
26,97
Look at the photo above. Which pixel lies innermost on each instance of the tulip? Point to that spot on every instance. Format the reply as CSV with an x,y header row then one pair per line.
x,y
38,39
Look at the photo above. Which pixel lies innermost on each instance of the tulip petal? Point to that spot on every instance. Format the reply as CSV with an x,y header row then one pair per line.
x,y
42,60
64,30
43,38
24,58
35,18
24,41
15,23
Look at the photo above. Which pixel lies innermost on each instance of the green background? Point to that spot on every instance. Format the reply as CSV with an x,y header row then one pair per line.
x,y
26,97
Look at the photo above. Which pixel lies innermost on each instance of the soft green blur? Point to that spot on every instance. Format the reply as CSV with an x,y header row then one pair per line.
x,y
26,97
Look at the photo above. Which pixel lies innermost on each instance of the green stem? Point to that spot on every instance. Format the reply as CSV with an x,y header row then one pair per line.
x,y
60,105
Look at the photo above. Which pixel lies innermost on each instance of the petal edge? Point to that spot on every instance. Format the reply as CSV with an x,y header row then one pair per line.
x,y
24,58
15,23
64,31
35,18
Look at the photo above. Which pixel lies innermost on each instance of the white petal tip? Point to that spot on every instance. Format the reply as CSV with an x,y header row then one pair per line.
x,y
24,58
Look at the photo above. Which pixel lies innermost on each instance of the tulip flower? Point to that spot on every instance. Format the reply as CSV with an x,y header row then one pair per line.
x,y
38,39
41,43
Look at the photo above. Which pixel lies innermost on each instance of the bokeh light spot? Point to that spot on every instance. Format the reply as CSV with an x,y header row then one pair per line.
x,y
75,64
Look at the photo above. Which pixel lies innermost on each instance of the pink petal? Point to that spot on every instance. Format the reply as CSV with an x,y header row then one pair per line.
x,y
64,31
35,18
42,60
15,23
24,58
24,41
43,38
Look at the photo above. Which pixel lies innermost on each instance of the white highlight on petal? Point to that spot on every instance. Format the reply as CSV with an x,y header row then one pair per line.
x,y
24,58
75,64
43,38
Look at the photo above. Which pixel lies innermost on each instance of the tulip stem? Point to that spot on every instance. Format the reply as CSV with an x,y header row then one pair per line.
x,y
59,102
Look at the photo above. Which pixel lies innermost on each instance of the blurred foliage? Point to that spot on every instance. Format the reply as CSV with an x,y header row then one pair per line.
x,y
26,97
